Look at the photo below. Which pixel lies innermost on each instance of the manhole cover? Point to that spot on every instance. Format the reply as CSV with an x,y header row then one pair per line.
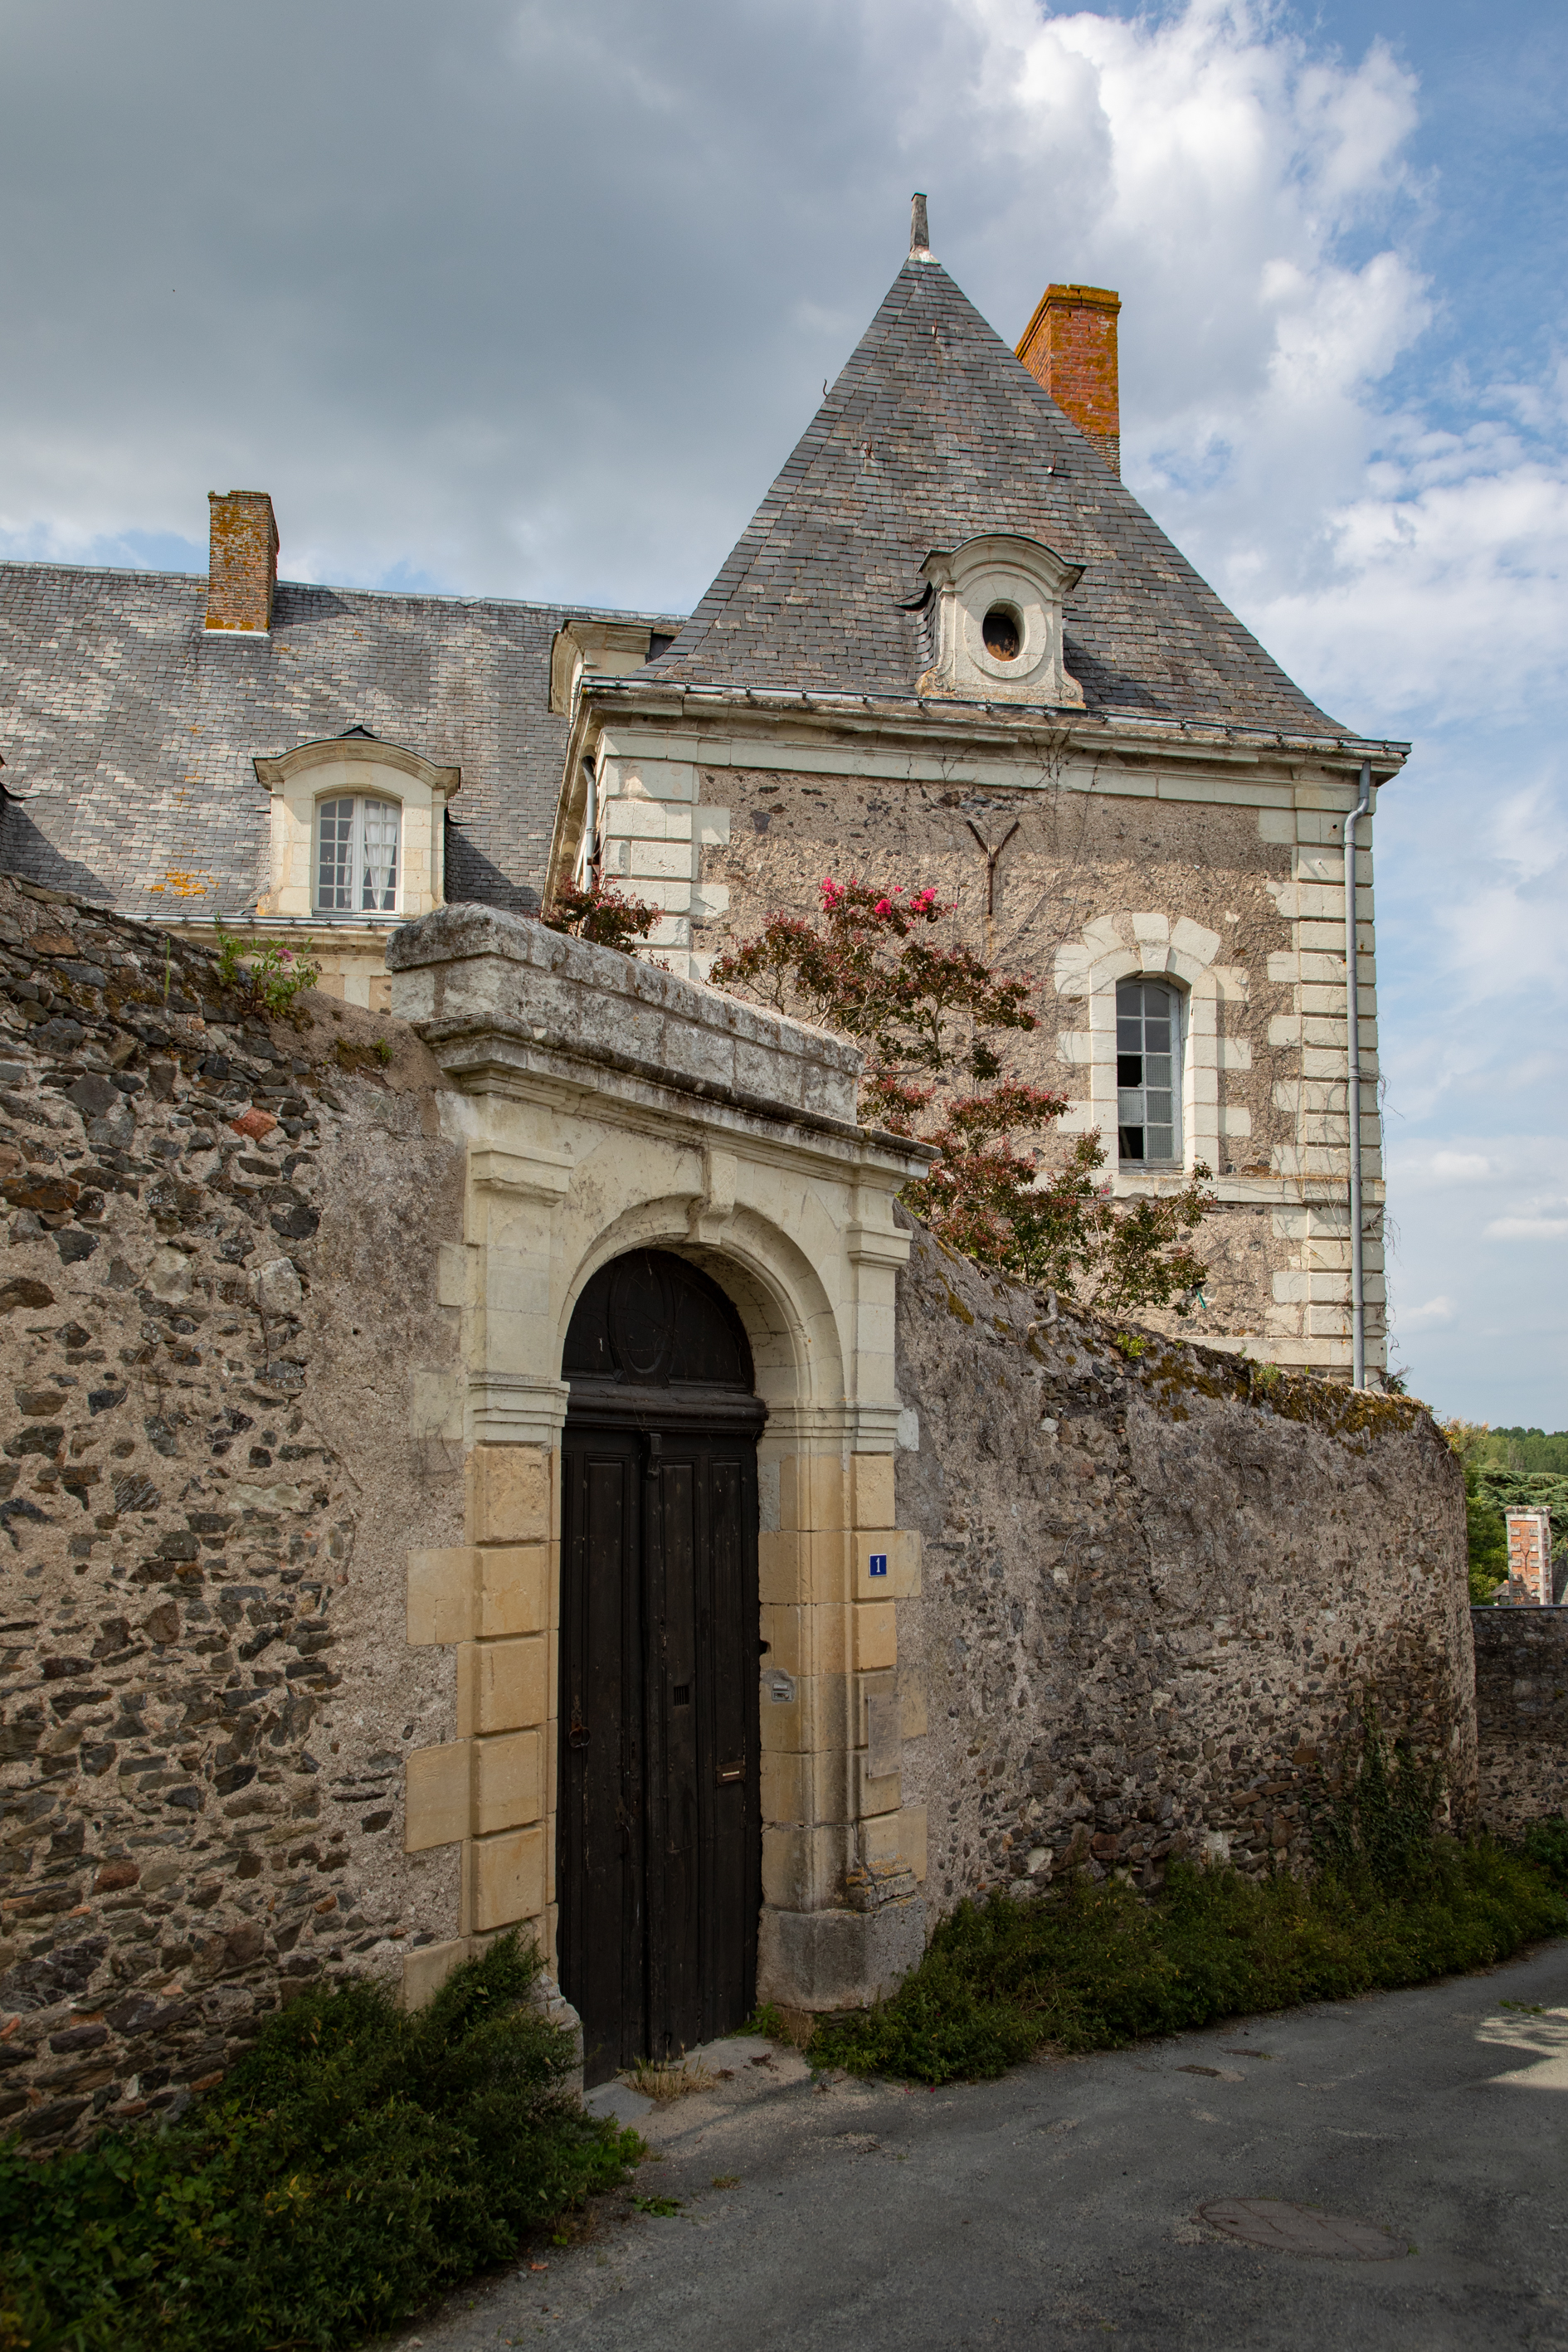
x,y
1299,2229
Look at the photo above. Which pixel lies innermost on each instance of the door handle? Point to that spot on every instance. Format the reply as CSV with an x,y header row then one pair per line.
x,y
577,1737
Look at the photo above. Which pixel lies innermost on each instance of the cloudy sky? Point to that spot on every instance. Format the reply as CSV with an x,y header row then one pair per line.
x,y
516,298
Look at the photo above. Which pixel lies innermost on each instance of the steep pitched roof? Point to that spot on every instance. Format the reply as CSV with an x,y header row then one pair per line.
x,y
934,433
129,730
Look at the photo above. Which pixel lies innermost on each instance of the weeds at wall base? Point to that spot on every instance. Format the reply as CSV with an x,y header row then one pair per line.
x,y
357,2162
1089,1967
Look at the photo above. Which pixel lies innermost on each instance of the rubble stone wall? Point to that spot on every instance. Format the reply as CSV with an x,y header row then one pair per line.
x,y
1522,1712
1157,1589
217,1283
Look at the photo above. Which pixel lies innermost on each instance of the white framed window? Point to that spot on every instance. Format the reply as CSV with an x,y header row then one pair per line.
x,y
357,854
1148,1073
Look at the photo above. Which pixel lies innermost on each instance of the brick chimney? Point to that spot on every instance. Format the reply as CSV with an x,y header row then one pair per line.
x,y
1070,345
242,564
1530,1556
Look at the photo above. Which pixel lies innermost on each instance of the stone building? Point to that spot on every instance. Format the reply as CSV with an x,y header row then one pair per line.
x,y
951,645
511,1463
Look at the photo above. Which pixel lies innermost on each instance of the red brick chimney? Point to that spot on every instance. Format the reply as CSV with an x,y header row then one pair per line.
x,y
1070,345
242,564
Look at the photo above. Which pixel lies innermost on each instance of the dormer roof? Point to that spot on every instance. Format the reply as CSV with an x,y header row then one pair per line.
x,y
934,434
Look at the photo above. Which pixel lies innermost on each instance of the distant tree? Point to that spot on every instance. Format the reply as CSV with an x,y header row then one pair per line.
x,y
930,1013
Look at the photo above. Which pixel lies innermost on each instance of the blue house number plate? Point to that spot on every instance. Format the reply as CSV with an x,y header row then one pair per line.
x,y
878,1563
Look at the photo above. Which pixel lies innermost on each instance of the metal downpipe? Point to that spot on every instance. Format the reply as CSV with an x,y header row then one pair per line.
x,y
1352,1090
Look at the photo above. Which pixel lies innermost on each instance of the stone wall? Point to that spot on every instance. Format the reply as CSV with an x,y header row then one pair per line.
x,y
217,1284
1156,1590
1521,1713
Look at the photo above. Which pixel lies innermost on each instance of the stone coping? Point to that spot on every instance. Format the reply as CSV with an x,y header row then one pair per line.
x,y
466,973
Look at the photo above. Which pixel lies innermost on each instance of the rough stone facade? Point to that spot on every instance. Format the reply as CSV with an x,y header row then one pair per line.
x,y
1522,1712
1157,1592
281,1316
209,1479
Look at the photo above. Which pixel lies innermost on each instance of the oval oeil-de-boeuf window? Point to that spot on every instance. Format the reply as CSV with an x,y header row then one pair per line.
x,y
1148,1073
1001,634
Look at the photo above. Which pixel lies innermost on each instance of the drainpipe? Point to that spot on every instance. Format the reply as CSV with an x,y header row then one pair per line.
x,y
1352,1093
590,850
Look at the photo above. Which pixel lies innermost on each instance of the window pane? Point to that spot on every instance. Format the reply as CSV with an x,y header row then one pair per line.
x,y
334,879
1148,1070
378,891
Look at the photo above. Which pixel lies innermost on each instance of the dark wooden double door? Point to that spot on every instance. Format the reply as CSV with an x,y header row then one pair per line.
x,y
658,1859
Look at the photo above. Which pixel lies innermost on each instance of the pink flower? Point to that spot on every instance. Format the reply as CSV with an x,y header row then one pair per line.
x,y
884,906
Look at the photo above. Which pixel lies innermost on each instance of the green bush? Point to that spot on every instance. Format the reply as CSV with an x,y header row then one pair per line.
x,y
1094,1967
357,2160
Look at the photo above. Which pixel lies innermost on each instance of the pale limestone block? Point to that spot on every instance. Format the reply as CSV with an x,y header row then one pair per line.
x,y
873,1796
1072,956
1289,1283
1327,1289
1232,980
426,1970
453,1262
1235,1054
1072,984
660,779
510,1877
507,1494
1195,940
1324,939
1283,1320
1321,968
1314,864
1323,1094
1234,1119
1151,928
1106,932
508,1782
708,901
641,821
661,861
1078,1118
1328,1322
1284,967
871,1490
713,827
440,1596
435,1405
515,1591
913,1838
1276,825
1184,965
503,1685
1203,1015
1315,1030
671,931
1290,1224
436,1805
1075,1046
1204,1085
874,1635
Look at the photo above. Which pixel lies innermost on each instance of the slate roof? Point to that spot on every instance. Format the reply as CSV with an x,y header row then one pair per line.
x,y
934,433
128,730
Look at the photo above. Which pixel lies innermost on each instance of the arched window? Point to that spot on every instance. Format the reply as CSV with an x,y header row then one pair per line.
x,y
1148,1073
357,856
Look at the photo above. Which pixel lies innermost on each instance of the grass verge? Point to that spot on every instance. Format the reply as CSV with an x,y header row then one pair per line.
x,y
355,2162
1089,1967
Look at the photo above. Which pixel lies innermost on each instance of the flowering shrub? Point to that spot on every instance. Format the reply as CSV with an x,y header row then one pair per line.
x,y
927,1010
273,974
602,916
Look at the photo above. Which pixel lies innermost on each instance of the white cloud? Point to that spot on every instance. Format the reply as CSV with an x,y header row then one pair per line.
x,y
1527,1229
1436,1310
1456,1167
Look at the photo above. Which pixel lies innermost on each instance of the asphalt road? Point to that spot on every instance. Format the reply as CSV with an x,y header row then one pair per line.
x,y
1067,2203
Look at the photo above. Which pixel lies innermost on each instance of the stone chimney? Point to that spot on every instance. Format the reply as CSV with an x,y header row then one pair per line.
x,y
242,564
1070,345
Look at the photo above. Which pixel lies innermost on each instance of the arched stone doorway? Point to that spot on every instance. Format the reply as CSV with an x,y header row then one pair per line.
x,y
659,1867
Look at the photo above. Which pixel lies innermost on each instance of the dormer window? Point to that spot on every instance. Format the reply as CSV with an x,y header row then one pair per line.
x,y
998,622
357,856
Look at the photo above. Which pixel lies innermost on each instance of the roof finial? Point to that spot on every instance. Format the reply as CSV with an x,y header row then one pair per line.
x,y
919,235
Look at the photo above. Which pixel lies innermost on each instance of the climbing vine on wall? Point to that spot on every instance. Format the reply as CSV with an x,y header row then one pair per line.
x,y
884,966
